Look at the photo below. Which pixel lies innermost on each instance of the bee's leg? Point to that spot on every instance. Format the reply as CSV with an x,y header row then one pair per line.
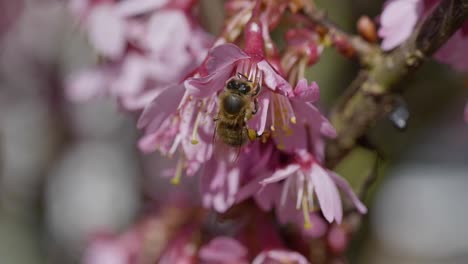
x,y
255,106
252,134
257,90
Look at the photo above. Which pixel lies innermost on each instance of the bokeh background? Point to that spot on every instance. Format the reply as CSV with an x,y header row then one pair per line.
x,y
68,170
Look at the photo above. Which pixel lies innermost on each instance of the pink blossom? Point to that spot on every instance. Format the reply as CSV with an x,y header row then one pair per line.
x,y
109,249
279,256
398,21
223,250
140,56
305,177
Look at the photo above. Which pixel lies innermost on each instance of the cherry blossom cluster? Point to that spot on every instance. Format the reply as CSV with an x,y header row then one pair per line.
x,y
157,60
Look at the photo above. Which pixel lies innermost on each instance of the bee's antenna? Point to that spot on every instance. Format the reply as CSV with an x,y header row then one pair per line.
x,y
242,76
255,107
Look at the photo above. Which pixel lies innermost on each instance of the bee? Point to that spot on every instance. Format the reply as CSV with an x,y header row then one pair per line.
x,y
237,104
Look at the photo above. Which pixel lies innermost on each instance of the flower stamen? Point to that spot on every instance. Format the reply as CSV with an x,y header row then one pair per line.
x,y
178,173
195,129
306,212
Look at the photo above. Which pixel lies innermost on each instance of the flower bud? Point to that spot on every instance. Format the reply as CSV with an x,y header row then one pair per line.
x,y
366,29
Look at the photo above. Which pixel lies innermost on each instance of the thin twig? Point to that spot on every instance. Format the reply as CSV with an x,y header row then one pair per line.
x,y
363,49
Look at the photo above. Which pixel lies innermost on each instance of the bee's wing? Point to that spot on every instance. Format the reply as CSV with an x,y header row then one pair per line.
x,y
223,151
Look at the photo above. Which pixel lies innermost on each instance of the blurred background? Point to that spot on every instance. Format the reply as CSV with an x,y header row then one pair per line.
x,y
69,170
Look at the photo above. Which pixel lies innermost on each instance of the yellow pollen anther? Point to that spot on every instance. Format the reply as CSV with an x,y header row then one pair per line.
x,y
293,120
252,134
305,210
272,128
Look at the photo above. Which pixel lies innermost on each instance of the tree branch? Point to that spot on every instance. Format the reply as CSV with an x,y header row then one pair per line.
x,y
371,95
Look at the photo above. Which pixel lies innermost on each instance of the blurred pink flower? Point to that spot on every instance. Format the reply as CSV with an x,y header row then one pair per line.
x,y
10,11
109,249
455,51
134,40
338,239
181,249
399,19
223,250
279,256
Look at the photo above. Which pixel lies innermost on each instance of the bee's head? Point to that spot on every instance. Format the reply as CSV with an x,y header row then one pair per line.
x,y
233,104
240,86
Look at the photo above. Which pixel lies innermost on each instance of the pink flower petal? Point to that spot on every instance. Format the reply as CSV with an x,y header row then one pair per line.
x,y
307,93
273,80
159,37
147,143
106,31
223,250
222,56
281,174
327,194
138,7
398,20
139,101
219,65
346,188
132,76
311,115
164,105
206,86
278,256
266,196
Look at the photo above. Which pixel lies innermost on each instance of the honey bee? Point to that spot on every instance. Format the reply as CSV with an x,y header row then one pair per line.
x,y
237,104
